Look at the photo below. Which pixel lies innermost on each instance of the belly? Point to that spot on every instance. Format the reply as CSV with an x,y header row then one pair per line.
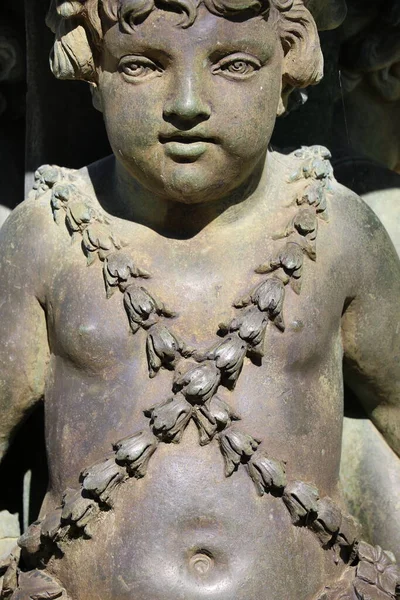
x,y
187,532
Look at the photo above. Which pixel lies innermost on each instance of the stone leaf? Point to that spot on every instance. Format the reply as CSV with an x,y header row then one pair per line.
x,y
236,447
290,259
229,357
101,479
30,541
98,239
213,417
51,525
349,532
269,475
366,591
301,500
37,585
79,215
197,381
135,452
170,418
328,521
61,194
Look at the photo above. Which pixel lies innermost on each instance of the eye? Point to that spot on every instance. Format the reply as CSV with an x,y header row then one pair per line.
x,y
237,66
138,68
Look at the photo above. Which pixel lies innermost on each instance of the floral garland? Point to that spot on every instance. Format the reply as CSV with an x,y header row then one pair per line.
x,y
198,377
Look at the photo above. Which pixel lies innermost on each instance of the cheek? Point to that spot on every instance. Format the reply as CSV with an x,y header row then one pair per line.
x,y
129,114
249,124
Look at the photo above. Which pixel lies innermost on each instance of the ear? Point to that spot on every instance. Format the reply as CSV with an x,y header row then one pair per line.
x,y
96,97
303,61
386,82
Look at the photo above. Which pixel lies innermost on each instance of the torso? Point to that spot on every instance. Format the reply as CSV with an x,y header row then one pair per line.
x,y
185,530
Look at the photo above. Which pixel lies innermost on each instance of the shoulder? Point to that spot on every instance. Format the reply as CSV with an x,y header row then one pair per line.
x,y
30,241
363,246
353,239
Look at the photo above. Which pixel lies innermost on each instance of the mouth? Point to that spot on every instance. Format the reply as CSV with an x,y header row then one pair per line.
x,y
185,148
184,138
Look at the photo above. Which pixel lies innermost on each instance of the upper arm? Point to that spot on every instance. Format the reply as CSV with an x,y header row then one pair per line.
x,y
23,335
371,325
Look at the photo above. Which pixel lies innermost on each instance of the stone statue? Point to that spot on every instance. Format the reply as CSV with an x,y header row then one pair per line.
x,y
367,119
367,156
184,307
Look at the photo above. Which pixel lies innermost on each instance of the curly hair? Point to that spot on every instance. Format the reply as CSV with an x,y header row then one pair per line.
x,y
79,27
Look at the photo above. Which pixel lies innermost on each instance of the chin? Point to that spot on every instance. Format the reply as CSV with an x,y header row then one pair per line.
x,y
189,183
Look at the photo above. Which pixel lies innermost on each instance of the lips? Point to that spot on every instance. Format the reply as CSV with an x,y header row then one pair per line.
x,y
184,138
185,147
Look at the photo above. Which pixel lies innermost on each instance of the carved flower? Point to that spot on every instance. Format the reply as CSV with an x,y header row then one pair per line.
x,y
163,349
251,326
119,269
314,195
229,356
76,509
45,177
101,479
236,447
328,521
51,525
135,452
170,418
198,382
375,570
315,163
301,500
291,259
269,475
99,239
269,297
213,417
143,310
305,222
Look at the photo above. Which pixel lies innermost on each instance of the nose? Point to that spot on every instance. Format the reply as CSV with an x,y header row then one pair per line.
x,y
186,104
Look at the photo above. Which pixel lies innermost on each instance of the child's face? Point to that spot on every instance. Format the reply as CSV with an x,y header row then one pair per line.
x,y
190,111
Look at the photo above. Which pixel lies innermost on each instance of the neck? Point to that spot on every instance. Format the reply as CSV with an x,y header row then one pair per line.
x,y
358,131
123,196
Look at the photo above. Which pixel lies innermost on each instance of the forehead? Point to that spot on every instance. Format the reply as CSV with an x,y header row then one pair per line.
x,y
162,31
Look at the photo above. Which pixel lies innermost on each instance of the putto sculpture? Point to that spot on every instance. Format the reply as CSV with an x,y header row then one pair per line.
x,y
184,307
